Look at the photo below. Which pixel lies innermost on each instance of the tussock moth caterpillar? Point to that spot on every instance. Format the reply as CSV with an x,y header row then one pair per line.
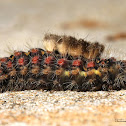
x,y
66,64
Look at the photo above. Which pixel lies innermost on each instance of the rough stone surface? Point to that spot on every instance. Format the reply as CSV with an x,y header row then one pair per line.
x,y
62,108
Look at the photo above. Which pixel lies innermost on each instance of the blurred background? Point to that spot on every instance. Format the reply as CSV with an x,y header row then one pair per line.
x,y
23,23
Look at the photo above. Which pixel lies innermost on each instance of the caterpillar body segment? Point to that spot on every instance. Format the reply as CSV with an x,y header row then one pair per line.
x,y
78,67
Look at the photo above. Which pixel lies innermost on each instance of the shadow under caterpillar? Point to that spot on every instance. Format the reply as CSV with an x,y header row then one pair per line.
x,y
67,64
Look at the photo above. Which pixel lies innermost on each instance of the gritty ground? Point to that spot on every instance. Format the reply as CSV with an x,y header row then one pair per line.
x,y
63,108
22,26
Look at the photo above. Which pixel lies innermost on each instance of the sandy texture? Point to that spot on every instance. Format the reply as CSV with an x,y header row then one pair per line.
x,y
22,26
62,108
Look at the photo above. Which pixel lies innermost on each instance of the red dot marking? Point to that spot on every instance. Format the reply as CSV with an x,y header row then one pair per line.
x,y
35,59
3,59
34,50
76,63
61,62
9,64
21,61
102,62
90,65
48,60
17,53
49,52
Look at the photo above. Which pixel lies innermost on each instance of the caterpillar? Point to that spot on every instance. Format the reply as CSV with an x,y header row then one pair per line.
x,y
66,63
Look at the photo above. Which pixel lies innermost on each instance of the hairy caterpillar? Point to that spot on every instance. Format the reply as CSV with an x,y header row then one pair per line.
x,y
67,64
